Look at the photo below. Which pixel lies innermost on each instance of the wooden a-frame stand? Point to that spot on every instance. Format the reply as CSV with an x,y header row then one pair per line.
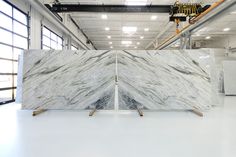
x,y
38,111
197,112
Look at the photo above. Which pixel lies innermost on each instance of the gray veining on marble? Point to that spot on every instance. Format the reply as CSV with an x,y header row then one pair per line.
x,y
164,80
68,79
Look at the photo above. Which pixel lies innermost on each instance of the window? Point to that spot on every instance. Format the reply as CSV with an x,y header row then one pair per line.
x,y
14,39
51,40
73,47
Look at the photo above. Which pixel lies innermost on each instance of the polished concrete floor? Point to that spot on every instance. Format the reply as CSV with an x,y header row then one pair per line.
x,y
118,134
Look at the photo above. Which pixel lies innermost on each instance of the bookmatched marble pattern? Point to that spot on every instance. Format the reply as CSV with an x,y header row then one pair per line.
x,y
68,79
164,80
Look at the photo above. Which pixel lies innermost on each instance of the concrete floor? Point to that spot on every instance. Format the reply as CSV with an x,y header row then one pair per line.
x,y
157,134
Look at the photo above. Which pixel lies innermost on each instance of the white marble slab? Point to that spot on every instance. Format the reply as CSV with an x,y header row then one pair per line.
x,y
19,79
68,79
229,68
164,80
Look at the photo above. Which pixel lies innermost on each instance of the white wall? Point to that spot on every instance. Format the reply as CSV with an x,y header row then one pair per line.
x,y
37,19
225,42
222,46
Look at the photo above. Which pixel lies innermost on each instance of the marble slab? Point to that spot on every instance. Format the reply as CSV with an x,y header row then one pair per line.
x,y
229,68
68,79
164,80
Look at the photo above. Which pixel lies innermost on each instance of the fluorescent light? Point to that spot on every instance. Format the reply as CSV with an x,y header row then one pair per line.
x,y
110,42
138,43
146,29
208,37
104,16
135,2
111,47
177,44
109,37
234,12
135,47
129,30
198,35
204,57
141,37
107,28
226,29
124,42
153,17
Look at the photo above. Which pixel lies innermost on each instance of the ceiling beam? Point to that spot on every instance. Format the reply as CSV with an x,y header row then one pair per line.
x,y
111,8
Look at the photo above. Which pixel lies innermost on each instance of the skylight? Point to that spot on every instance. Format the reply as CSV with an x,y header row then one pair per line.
x,y
129,30
135,2
124,42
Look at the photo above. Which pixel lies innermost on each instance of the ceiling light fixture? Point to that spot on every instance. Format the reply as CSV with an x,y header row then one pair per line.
x,y
138,43
111,47
129,30
234,12
208,37
135,47
104,16
124,42
177,44
141,37
107,28
135,2
153,17
226,29
146,29
110,42
109,37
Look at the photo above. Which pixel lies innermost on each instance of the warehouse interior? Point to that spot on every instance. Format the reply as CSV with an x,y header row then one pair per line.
x,y
120,78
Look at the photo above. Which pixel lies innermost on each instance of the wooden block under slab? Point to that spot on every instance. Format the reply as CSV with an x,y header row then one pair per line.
x,y
38,111
197,112
92,112
140,112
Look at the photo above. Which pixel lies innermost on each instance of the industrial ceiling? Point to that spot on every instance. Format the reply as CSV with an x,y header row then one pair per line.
x,y
107,30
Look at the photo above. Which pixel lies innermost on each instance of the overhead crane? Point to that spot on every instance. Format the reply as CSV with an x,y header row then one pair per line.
x,y
179,12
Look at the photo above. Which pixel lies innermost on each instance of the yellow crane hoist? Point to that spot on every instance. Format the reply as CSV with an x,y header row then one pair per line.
x,y
180,11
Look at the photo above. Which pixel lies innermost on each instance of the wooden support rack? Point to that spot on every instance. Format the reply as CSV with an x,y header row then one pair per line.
x,y
140,112
91,113
38,111
197,112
